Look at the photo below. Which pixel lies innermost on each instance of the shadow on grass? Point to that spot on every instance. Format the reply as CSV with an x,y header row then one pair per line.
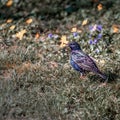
x,y
112,77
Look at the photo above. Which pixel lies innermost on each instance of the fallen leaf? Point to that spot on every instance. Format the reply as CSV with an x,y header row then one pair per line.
x,y
9,3
115,29
74,29
28,21
63,41
9,20
85,22
12,27
99,7
102,62
37,35
20,34
3,26
79,31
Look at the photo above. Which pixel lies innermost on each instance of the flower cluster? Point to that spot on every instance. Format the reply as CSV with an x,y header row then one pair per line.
x,y
75,34
52,36
95,34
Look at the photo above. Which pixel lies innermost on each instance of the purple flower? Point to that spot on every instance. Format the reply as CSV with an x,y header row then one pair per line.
x,y
97,50
55,36
99,36
92,28
95,27
75,34
50,35
95,41
90,42
99,27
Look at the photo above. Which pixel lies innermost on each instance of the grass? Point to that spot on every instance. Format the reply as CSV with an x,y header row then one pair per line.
x,y
37,82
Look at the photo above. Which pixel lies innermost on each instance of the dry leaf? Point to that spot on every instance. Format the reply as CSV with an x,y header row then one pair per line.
x,y
63,41
12,27
85,22
28,21
9,20
99,7
9,3
20,34
115,29
74,29
102,62
37,35
3,26
79,31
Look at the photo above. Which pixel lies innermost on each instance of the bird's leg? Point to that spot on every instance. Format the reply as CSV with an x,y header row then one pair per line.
x,y
82,75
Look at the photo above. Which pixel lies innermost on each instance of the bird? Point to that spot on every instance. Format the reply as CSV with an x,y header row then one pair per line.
x,y
82,62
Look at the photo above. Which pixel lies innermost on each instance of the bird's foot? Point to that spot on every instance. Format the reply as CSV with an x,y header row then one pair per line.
x,y
82,76
103,84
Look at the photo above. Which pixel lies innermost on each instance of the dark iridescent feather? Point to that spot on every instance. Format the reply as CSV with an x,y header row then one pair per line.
x,y
76,66
81,61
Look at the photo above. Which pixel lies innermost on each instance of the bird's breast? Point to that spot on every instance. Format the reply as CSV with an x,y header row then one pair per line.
x,y
74,65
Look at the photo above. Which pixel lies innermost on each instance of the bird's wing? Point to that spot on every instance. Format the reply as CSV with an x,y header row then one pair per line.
x,y
84,61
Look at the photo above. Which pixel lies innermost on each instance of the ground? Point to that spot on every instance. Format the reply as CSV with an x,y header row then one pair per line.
x,y
36,79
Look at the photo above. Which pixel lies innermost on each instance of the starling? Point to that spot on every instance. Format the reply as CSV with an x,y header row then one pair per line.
x,y
82,62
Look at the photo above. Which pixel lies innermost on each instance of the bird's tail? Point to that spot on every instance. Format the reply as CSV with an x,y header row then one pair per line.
x,y
102,75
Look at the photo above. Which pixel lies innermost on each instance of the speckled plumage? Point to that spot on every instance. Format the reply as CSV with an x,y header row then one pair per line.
x,y
81,61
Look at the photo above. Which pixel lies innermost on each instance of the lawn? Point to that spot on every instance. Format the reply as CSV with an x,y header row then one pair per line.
x,y
36,79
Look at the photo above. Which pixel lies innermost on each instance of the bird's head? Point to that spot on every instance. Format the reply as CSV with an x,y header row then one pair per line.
x,y
74,46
